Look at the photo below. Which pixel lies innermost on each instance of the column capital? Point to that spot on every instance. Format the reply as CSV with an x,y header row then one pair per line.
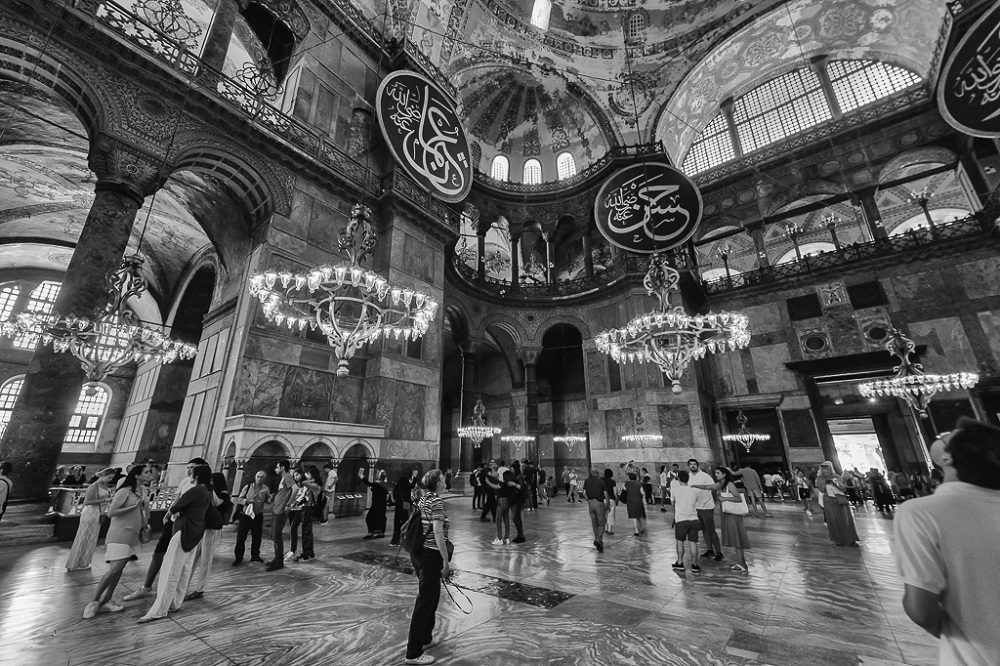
x,y
470,347
529,355
121,166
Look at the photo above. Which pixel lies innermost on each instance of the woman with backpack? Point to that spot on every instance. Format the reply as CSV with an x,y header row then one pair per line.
x,y
430,562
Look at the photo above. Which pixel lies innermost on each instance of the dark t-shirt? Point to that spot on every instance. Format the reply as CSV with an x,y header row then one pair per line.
x,y
506,492
609,487
594,488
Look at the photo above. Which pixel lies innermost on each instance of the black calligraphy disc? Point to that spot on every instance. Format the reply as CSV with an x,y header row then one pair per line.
x,y
969,89
648,207
425,135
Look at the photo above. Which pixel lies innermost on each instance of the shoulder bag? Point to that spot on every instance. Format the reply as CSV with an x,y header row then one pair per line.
x,y
735,508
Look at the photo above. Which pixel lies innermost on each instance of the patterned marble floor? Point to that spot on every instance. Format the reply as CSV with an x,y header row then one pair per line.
x,y
553,600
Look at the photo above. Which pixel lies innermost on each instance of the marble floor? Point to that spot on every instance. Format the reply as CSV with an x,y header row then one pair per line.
x,y
553,600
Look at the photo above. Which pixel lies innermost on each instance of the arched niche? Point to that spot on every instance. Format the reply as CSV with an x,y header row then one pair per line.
x,y
264,456
355,459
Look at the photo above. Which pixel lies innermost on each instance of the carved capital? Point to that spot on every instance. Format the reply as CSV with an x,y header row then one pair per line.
x,y
529,355
470,347
122,166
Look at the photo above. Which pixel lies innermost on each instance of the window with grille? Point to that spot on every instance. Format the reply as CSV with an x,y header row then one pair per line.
x,y
857,83
636,25
500,169
88,415
540,14
8,396
40,301
713,147
566,166
780,108
8,297
532,172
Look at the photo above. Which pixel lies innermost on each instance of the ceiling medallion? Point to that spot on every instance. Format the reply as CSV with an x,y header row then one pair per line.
x,y
744,436
351,306
478,431
910,383
111,338
668,336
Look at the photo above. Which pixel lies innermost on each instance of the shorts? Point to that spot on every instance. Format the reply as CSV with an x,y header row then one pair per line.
x,y
804,493
754,494
687,530
118,551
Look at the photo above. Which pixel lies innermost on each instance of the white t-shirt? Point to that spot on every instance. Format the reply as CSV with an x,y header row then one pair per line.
x,y
768,480
684,498
663,479
947,544
704,497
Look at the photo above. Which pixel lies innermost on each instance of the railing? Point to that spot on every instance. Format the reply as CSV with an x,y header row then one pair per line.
x,y
911,240
256,107
616,153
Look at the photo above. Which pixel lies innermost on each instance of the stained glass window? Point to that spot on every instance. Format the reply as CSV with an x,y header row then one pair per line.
x,y
40,301
566,166
86,420
500,169
532,172
857,83
713,147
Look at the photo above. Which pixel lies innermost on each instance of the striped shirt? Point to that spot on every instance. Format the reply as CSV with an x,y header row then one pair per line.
x,y
431,509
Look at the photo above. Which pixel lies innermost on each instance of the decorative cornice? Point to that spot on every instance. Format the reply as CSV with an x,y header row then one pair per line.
x,y
254,423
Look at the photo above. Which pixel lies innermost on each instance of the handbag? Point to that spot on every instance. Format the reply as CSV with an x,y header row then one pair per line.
x,y
735,508
623,496
842,499
213,518
146,533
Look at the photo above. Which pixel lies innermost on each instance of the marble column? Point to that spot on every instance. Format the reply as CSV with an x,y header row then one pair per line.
x,y
588,257
34,437
481,256
550,257
515,262
871,214
756,231
220,33
470,389
529,359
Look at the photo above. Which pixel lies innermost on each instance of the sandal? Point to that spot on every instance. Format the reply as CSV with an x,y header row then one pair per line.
x,y
194,595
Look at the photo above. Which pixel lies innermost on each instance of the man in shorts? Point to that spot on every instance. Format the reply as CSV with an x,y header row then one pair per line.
x,y
686,524
751,480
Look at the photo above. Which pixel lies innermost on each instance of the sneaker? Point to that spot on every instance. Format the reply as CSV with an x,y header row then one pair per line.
x,y
809,513
695,568
497,542
519,539
663,510
740,567
678,566
393,545
433,643
138,594
600,546
90,610
708,553
290,554
274,566
422,659
507,541
720,558
114,607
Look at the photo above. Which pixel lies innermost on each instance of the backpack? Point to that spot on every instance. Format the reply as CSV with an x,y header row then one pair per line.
x,y
412,533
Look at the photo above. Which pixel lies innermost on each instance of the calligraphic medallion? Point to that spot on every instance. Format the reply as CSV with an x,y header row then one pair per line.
x,y
425,134
648,207
969,89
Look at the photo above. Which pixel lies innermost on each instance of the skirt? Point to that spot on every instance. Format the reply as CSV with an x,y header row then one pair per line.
x,y
118,551
840,523
636,509
82,552
734,535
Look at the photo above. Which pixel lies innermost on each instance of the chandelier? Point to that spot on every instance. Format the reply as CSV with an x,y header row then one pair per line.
x,y
641,437
114,336
478,431
518,439
349,305
910,382
568,438
744,436
668,336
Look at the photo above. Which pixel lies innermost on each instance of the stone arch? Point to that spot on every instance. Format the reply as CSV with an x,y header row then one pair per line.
x,y
812,189
458,317
318,449
204,258
569,320
354,457
286,446
505,322
930,155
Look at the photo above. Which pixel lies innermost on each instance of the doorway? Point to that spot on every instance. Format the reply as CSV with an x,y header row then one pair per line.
x,y
858,444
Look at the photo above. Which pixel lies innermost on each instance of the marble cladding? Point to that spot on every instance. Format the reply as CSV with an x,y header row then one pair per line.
x,y
552,600
769,368
948,347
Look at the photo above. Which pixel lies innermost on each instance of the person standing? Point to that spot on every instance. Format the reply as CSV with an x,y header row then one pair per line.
x,y
574,485
402,502
836,506
431,565
705,506
129,513
279,513
947,545
634,505
565,480
686,523
543,486
329,492
734,535
531,477
596,494
307,495
803,489
755,495
251,519
518,498
476,481
160,550
189,528
611,489
647,485
376,518
504,490
664,487
96,499
491,483
205,557
6,485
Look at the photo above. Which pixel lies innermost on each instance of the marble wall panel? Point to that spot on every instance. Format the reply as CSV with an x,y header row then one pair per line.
x,y
345,400
769,368
324,225
845,338
259,389
729,376
832,295
674,422
307,394
418,259
370,395
990,322
916,290
948,347
297,222
597,373
408,412
767,317
980,279
275,350
618,422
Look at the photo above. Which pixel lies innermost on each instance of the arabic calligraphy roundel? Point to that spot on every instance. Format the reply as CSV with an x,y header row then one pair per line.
x,y
969,89
648,207
425,134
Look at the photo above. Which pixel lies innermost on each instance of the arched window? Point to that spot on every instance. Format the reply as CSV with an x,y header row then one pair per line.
x,y
532,173
8,297
40,301
85,424
806,250
8,396
540,14
636,25
857,83
780,108
501,168
941,217
713,147
566,166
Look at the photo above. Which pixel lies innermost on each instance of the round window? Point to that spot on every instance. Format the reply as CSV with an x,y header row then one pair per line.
x,y
877,333
815,343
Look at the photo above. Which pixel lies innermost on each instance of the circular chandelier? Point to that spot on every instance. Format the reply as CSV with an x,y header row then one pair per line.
x,y
641,437
518,439
668,336
349,305
113,337
911,383
478,431
744,436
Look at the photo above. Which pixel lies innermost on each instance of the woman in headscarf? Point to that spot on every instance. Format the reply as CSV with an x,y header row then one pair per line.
x,y
836,506
96,499
375,520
